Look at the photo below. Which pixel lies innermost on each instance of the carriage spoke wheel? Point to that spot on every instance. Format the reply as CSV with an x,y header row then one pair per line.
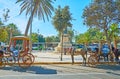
x,y
25,61
32,57
119,59
10,59
92,61
2,62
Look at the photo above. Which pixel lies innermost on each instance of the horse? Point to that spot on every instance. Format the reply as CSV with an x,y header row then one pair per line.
x,y
116,54
83,53
74,51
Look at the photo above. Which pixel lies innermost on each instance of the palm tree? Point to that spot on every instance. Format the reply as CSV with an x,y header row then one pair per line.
x,y
61,21
39,8
114,33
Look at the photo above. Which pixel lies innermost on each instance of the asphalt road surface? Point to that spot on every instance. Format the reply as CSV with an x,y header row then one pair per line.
x,y
61,72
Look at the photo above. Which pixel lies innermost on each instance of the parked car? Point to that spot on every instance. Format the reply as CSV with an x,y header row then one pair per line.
x,y
93,47
35,48
78,45
49,48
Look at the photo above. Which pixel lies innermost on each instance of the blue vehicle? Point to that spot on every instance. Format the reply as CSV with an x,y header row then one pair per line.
x,y
93,47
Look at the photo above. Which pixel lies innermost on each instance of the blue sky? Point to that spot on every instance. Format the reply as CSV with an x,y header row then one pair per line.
x,y
46,28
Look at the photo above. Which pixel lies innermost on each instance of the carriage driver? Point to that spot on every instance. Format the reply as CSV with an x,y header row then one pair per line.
x,y
14,51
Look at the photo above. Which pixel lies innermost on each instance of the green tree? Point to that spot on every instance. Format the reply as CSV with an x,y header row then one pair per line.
x,y
62,20
3,35
37,38
95,34
40,8
101,14
91,35
14,29
113,32
48,39
41,38
52,39
34,37
79,39
71,34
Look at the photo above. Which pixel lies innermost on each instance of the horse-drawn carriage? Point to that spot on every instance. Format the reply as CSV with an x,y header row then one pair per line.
x,y
93,55
17,53
103,52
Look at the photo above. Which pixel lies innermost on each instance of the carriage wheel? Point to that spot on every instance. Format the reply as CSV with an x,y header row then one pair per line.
x,y
92,61
111,57
32,57
24,61
2,62
11,60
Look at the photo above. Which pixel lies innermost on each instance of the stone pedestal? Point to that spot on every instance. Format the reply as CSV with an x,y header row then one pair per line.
x,y
66,43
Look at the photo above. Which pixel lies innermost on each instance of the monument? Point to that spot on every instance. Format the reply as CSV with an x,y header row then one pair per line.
x,y
66,42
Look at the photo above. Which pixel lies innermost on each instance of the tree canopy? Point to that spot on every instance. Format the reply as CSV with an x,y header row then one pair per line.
x,y
102,14
36,8
62,19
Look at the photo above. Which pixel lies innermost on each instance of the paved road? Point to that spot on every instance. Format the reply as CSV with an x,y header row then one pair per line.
x,y
76,76
61,72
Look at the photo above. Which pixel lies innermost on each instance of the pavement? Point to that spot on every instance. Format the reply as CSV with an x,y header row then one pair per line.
x,y
54,71
51,56
60,71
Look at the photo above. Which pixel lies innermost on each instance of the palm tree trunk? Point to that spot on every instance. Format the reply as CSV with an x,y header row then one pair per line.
x,y
30,21
115,43
28,25
100,46
109,44
61,46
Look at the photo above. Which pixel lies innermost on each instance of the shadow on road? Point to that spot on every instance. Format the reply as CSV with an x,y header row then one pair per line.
x,y
109,67
32,69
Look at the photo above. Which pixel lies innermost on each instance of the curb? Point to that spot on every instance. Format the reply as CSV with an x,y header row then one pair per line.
x,y
45,63
37,63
